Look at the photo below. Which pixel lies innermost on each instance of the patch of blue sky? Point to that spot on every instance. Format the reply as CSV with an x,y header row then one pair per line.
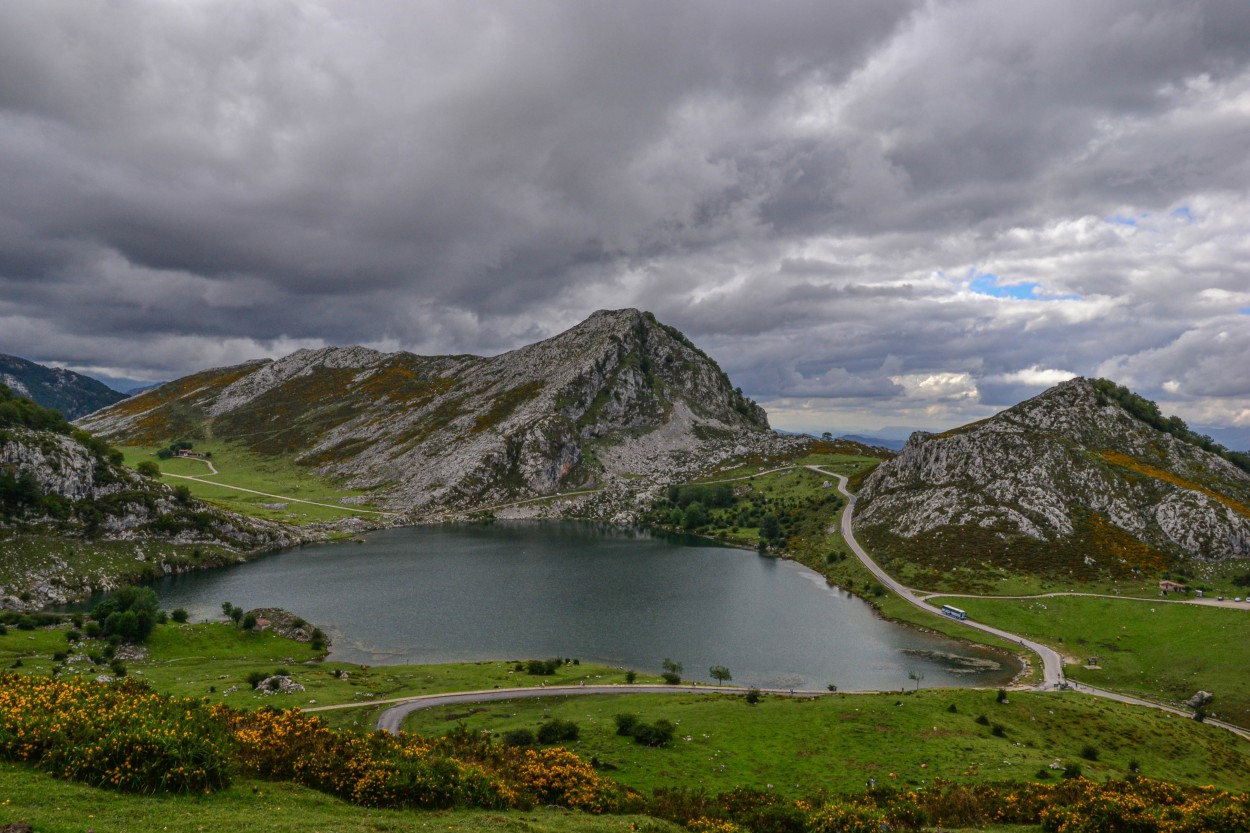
x,y
987,284
1122,220
1183,212
1244,310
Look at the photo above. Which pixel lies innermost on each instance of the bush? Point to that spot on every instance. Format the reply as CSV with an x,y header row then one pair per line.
x,y
543,667
983,720
179,615
518,738
1072,771
1002,696
557,731
122,736
1089,752
118,668
753,696
671,677
657,734
129,614
998,731
625,724
631,676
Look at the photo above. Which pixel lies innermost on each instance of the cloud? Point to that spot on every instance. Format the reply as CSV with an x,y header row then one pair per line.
x,y
838,201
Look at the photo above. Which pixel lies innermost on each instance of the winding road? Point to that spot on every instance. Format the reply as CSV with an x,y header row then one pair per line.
x,y
391,719
1052,663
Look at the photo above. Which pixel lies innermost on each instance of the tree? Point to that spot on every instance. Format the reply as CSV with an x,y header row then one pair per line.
x,y
696,515
672,672
770,527
916,676
148,468
130,614
720,673
827,436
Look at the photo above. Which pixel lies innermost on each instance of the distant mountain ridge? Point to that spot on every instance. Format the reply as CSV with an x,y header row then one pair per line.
x,y
616,397
1069,482
73,394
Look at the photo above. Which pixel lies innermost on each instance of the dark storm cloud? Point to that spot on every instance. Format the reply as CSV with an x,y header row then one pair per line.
x,y
808,189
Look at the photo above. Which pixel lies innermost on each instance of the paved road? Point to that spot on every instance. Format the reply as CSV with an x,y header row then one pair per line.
x,y
391,719
926,595
1052,663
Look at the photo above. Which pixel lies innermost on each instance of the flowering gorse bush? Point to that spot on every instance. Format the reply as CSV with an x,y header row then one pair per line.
x,y
404,770
120,736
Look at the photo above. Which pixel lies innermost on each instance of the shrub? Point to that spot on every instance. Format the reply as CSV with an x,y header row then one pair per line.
x,y
998,731
543,667
657,734
753,696
671,677
122,737
118,668
1002,696
1071,770
631,676
1089,752
130,613
846,818
518,737
179,615
557,731
625,724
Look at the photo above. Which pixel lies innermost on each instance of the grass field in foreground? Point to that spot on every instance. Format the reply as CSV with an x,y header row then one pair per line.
x,y
239,467
1155,649
53,806
840,742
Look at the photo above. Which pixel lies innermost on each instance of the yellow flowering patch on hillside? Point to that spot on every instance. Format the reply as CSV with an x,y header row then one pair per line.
x,y
1117,458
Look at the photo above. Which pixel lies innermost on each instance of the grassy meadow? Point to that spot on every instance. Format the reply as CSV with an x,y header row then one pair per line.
x,y
841,742
1158,650
237,466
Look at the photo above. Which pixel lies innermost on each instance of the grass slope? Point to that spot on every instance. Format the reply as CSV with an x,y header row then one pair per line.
x,y
237,466
1154,649
840,742
53,806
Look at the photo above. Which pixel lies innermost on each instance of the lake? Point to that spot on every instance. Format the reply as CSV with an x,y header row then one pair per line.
x,y
598,593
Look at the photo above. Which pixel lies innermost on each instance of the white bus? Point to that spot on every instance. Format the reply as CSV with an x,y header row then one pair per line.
x,y
954,612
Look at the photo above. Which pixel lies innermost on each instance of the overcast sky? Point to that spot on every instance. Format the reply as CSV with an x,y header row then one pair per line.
x,y
870,213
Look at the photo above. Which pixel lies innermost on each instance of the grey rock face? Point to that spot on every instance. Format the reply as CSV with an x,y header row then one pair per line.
x,y
618,396
1036,469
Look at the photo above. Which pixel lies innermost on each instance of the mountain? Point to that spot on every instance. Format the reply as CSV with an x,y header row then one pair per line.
x,y
1082,481
74,520
73,394
616,398
874,442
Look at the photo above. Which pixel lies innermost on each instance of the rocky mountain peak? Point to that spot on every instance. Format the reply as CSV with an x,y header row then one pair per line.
x,y
618,395
1087,467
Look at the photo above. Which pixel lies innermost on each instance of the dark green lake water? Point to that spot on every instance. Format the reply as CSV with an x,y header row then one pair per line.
x,y
627,597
